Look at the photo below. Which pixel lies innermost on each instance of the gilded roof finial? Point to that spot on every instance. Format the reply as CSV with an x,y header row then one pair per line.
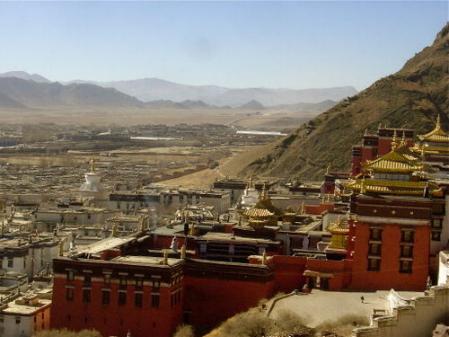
x,y
394,141
328,168
264,257
362,186
403,142
61,247
165,260
263,194
438,124
114,231
302,208
183,251
92,165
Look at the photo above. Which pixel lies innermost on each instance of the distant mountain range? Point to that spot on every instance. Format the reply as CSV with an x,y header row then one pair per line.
x,y
151,89
20,93
25,76
19,89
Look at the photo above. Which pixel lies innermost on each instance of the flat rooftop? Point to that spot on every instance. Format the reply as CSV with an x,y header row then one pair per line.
x,y
25,309
145,260
217,236
320,307
106,244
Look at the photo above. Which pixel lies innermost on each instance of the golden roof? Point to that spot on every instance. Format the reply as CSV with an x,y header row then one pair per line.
x,y
340,233
437,135
398,187
399,160
258,213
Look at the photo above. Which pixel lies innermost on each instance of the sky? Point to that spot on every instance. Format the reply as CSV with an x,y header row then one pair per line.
x,y
233,44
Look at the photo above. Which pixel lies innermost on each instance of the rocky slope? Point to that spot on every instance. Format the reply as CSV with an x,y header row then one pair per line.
x,y
412,98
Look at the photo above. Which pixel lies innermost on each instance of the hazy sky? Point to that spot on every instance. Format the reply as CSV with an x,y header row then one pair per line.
x,y
235,44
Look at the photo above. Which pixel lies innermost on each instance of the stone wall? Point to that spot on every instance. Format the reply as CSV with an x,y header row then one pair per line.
x,y
411,318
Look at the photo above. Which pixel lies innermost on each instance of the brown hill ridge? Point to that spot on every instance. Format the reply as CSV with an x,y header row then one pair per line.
x,y
411,98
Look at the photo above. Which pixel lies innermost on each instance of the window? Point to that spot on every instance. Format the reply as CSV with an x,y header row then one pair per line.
x,y
436,236
107,279
405,266
407,236
373,264
324,283
105,297
123,282
121,298
375,234
406,251
436,223
86,295
87,280
17,319
138,283
69,294
138,300
155,300
156,285
375,249
10,262
70,275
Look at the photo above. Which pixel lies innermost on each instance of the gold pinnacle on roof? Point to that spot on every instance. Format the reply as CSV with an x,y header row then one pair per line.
x,y
114,231
403,142
437,135
394,141
165,260
183,251
362,186
264,193
92,165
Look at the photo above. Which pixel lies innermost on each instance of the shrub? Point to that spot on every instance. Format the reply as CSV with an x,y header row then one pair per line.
x,y
184,331
68,333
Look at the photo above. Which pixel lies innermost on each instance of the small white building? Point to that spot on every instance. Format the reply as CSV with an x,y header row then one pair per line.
x,y
29,256
25,316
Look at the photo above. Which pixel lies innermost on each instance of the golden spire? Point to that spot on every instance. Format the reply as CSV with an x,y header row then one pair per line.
x,y
394,141
114,230
362,186
61,247
183,251
301,210
328,168
438,124
264,257
165,261
263,194
403,142
92,165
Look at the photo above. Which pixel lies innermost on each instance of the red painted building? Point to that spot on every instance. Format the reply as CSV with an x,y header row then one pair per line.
x,y
390,243
139,294
377,145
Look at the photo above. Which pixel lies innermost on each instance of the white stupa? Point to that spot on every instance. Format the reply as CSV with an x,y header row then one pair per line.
x,y
92,186
249,197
